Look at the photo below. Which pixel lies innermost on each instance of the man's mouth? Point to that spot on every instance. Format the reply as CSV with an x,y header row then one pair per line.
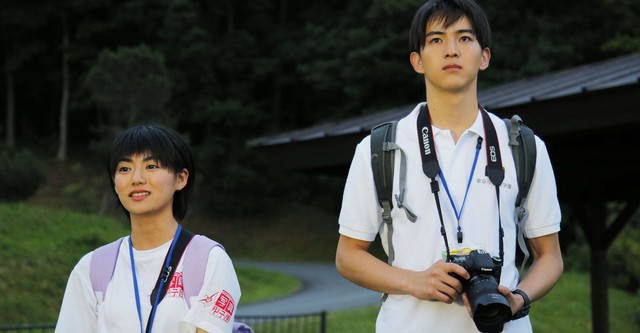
x,y
452,67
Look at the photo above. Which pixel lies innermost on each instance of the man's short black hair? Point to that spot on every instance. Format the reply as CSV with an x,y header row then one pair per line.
x,y
448,12
164,145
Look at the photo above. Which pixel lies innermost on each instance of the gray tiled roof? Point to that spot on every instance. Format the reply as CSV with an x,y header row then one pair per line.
x,y
607,74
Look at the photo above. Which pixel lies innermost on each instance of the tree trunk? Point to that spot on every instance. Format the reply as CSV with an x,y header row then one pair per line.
x,y
10,138
64,105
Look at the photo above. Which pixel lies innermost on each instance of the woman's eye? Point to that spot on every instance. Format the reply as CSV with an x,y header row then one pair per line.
x,y
123,169
466,39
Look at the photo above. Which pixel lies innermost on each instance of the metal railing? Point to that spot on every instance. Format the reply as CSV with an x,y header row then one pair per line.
x,y
37,328
303,323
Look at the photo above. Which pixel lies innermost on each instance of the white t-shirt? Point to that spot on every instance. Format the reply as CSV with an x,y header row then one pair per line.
x,y
213,310
418,245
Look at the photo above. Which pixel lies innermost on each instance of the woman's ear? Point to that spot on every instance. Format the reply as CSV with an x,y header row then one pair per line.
x,y
181,179
416,62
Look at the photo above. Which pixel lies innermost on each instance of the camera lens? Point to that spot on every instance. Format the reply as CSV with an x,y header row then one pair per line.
x,y
490,309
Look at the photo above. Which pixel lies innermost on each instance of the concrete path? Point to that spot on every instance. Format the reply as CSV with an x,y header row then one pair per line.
x,y
323,289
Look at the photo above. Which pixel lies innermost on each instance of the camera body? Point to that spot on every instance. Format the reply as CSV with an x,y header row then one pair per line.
x,y
490,308
478,262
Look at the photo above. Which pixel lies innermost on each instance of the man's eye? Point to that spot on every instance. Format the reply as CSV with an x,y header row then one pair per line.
x,y
435,41
466,39
123,169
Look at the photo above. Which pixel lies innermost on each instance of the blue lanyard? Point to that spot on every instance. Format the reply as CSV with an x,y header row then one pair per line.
x,y
446,188
431,168
135,281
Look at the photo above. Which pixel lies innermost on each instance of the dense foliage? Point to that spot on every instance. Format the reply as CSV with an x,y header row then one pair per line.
x,y
223,72
21,174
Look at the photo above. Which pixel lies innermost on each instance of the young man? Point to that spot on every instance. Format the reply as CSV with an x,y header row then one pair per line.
x,y
449,46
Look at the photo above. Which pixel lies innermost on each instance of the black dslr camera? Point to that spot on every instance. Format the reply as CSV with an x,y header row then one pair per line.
x,y
490,309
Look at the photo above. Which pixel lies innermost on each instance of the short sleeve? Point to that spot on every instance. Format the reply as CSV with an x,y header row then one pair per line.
x,y
542,204
78,312
215,307
360,212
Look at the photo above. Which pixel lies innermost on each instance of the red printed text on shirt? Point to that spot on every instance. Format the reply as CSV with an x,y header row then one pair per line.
x,y
175,288
224,306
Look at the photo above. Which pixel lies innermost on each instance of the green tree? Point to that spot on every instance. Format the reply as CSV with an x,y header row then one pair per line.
x,y
189,50
623,35
132,84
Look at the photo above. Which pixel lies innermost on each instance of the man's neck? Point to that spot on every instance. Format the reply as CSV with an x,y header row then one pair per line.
x,y
147,234
455,113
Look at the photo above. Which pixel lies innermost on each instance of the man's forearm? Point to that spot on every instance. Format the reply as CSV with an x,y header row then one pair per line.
x,y
359,266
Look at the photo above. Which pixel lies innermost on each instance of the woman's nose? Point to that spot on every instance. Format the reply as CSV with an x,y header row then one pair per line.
x,y
137,176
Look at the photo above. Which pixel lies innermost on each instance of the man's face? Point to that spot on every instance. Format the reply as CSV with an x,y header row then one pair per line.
x,y
451,57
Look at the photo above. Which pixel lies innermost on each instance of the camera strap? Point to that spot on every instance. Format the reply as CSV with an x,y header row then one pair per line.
x,y
431,167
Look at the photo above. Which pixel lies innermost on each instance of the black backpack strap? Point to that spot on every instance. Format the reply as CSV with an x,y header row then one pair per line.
x,y
382,161
383,147
523,146
166,275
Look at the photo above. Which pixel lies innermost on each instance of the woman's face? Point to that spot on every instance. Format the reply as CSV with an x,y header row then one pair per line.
x,y
146,188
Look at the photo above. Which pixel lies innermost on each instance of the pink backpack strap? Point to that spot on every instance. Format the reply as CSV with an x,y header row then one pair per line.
x,y
103,263
195,258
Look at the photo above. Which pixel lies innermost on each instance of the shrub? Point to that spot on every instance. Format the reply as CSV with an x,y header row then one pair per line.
x,y
21,174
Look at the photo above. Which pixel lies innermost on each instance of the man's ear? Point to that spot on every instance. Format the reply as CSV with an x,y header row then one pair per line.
x,y
485,57
416,62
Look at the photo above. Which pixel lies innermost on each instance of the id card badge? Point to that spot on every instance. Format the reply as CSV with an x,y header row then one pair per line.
x,y
457,252
464,251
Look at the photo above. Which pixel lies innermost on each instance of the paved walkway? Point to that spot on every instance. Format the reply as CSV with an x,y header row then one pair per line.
x,y
323,289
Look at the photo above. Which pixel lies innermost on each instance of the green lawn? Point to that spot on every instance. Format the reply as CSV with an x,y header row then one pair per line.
x,y
39,247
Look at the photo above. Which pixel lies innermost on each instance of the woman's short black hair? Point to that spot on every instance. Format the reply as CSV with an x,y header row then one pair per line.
x,y
166,146
448,12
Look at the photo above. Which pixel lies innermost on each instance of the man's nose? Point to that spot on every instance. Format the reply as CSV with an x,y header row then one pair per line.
x,y
452,50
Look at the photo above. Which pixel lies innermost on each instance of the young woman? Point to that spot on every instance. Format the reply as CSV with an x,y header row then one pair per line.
x,y
152,172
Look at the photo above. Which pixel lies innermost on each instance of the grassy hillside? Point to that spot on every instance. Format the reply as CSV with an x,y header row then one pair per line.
x,y
288,231
40,247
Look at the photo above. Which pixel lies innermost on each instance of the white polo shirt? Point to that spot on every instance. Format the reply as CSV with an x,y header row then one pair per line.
x,y
418,245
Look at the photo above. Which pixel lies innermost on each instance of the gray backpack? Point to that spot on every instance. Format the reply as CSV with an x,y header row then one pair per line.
x,y
383,147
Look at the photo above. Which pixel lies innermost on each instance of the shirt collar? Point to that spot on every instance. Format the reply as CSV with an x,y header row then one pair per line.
x,y
477,127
